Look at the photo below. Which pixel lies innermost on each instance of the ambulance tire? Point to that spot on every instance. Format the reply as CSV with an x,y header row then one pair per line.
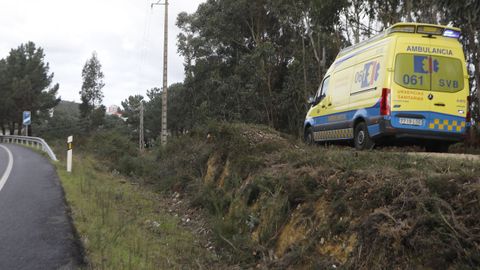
x,y
308,137
362,139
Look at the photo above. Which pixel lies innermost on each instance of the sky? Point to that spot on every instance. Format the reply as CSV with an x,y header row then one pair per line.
x,y
126,34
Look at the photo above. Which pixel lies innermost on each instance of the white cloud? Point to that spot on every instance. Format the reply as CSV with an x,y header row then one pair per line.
x,y
126,34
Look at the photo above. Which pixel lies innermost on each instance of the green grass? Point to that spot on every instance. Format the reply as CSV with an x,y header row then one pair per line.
x,y
123,226
272,202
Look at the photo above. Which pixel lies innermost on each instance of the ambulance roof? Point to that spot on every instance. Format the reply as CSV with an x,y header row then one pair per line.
x,y
413,28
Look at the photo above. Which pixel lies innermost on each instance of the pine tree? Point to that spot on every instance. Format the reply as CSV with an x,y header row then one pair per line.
x,y
25,83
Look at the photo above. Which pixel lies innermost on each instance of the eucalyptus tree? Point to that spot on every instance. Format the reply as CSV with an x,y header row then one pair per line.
x,y
466,15
257,61
91,93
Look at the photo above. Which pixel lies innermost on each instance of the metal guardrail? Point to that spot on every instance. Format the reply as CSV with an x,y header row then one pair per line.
x,y
30,141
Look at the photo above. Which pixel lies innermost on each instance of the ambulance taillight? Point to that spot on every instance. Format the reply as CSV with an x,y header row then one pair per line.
x,y
385,102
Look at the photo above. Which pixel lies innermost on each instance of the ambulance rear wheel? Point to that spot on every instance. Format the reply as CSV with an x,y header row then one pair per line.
x,y
362,139
308,137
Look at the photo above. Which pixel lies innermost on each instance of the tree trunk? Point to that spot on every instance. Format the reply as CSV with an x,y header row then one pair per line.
x,y
270,93
477,88
408,10
305,91
355,19
19,128
11,128
474,51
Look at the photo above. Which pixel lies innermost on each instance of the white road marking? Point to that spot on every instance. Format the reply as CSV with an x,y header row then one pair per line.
x,y
8,170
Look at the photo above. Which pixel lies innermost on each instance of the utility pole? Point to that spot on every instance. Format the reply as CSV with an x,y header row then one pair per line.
x,y
141,138
165,73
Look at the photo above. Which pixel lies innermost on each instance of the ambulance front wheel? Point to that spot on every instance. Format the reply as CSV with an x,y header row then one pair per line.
x,y
362,138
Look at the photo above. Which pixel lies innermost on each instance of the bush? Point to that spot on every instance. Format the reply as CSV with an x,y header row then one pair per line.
x,y
328,205
116,150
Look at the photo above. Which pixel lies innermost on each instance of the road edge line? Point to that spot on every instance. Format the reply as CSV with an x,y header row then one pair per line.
x,y
8,170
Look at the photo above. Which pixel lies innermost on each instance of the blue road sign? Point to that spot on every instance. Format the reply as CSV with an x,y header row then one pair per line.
x,y
27,118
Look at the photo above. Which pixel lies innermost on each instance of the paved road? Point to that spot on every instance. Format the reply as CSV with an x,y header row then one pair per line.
x,y
35,231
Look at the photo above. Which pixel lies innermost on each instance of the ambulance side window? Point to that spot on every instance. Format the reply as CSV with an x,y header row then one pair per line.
x,y
323,90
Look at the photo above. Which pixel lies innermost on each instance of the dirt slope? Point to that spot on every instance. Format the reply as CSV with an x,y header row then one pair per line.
x,y
274,203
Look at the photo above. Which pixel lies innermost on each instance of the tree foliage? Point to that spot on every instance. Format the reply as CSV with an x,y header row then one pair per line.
x,y
258,58
91,93
177,122
131,109
259,61
25,85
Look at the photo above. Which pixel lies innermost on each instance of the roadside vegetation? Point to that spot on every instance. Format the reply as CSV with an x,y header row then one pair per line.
x,y
124,225
272,202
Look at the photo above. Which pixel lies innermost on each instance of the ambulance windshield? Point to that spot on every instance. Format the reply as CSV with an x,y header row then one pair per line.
x,y
428,72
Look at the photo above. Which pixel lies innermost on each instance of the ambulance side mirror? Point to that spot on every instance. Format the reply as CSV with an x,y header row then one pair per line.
x,y
311,101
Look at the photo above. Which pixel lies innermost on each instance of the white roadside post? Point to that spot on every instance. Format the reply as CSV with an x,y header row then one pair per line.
x,y
69,153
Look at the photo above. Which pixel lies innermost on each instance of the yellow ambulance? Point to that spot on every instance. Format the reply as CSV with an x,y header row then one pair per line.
x,y
408,83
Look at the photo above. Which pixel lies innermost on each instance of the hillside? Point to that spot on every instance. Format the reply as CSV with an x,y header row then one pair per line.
x,y
275,203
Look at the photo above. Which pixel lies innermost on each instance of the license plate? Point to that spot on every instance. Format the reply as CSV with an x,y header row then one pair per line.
x,y
411,121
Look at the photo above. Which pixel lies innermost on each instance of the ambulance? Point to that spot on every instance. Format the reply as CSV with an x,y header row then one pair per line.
x,y
407,84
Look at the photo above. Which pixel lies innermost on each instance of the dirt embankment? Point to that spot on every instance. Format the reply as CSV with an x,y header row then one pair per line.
x,y
271,202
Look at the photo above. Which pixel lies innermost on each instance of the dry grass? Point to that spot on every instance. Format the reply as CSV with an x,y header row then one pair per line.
x,y
123,226
275,203
285,205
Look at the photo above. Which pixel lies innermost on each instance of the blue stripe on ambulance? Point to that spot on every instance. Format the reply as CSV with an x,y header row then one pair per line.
x,y
348,116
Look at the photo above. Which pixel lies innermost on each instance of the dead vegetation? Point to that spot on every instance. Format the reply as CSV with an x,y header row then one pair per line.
x,y
274,203
277,204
